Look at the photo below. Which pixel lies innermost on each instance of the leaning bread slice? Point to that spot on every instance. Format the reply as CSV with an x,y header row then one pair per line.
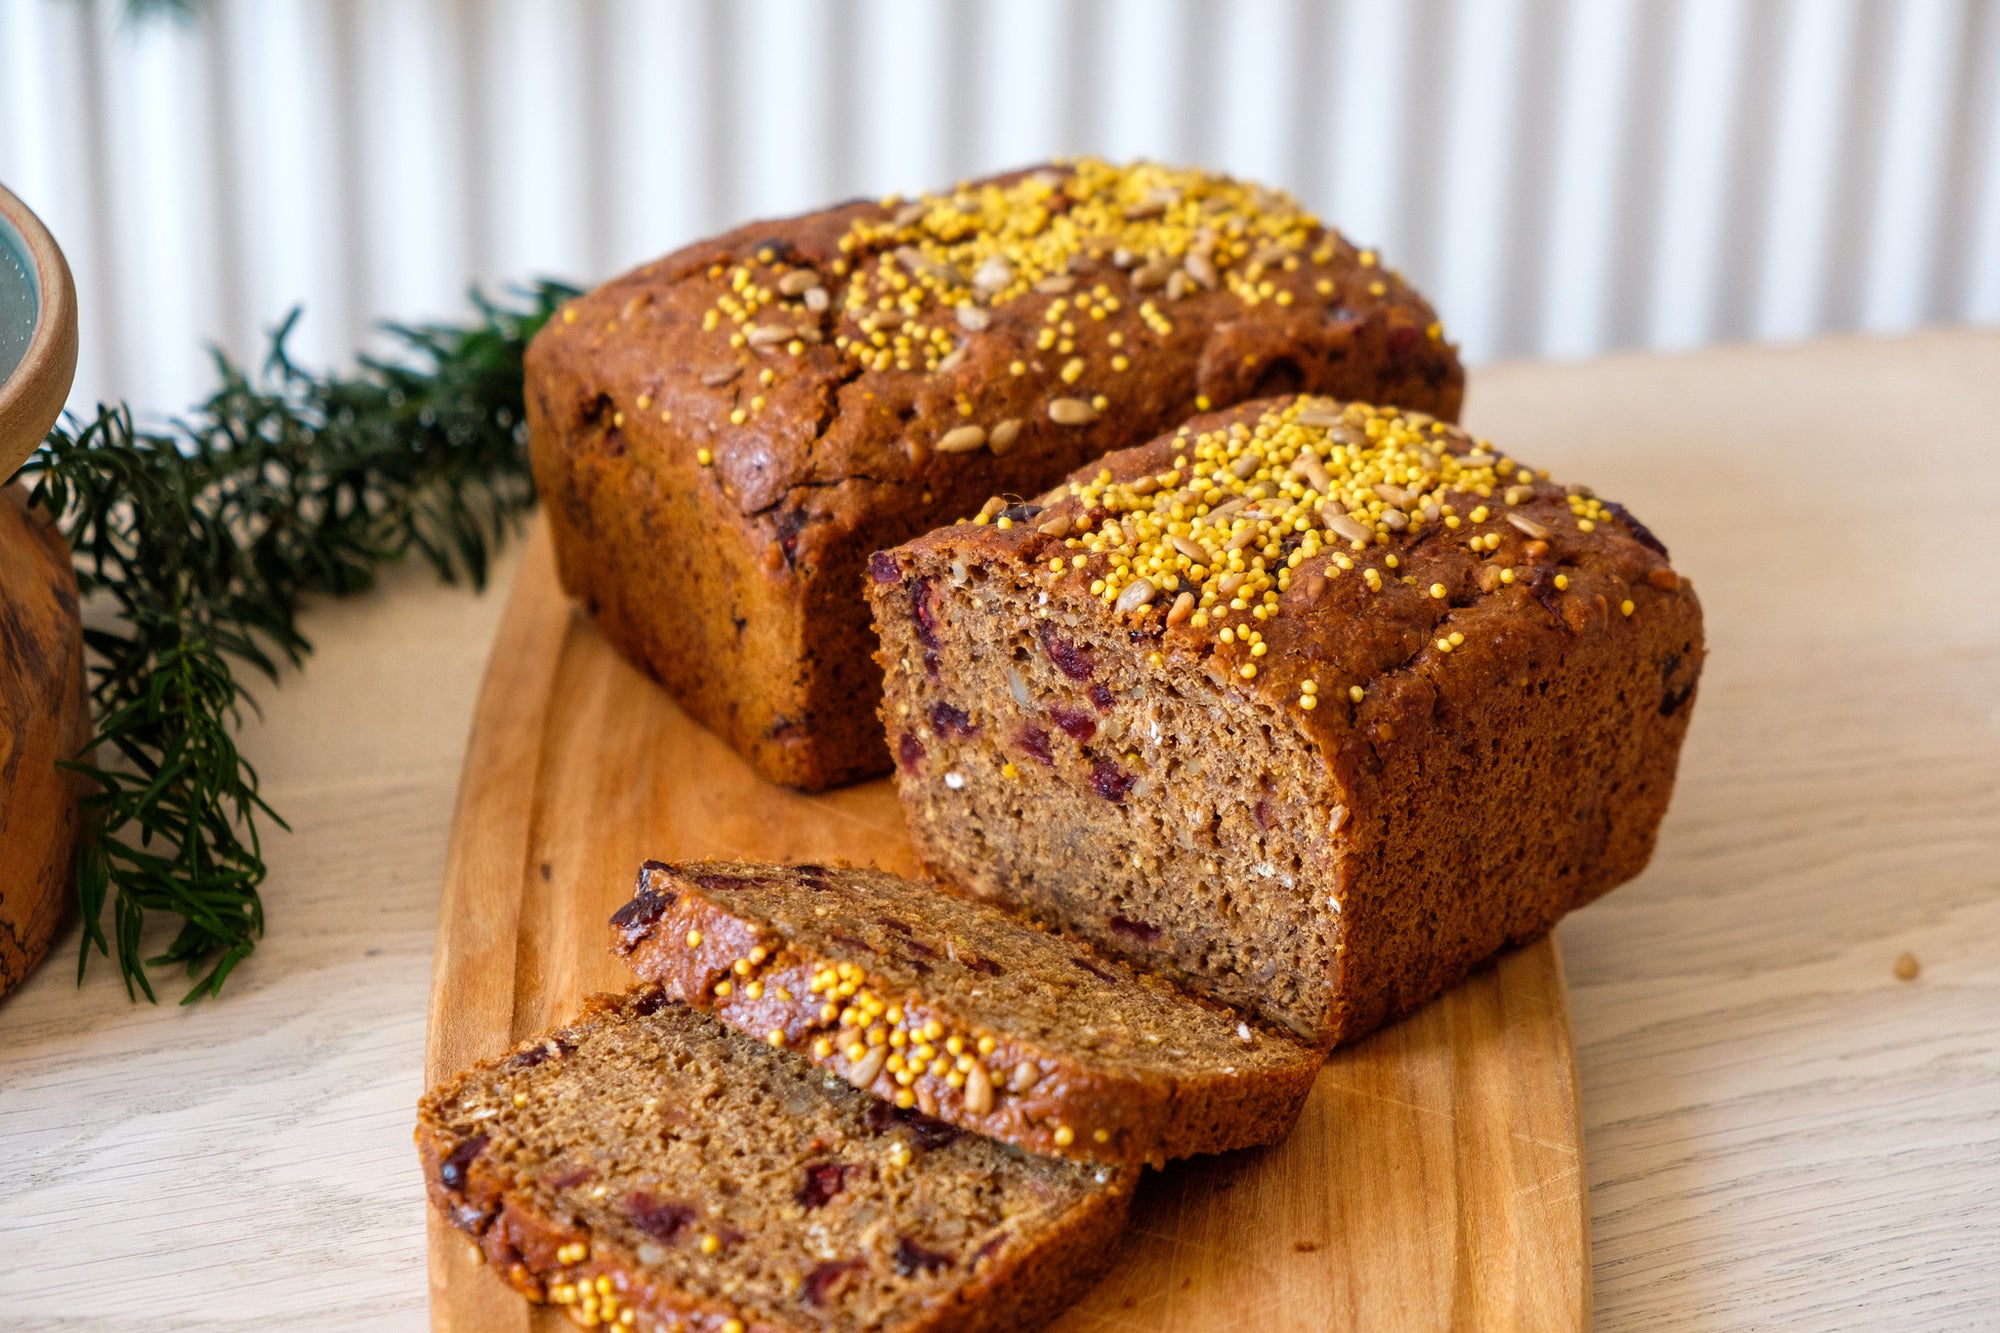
x,y
962,1012
647,1166
1308,706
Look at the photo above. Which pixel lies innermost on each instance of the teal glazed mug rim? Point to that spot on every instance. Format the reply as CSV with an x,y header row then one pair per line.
x,y
33,390
18,317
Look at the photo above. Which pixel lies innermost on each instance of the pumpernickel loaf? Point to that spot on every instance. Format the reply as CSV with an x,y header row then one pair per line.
x,y
1309,707
723,436
963,1012
649,1167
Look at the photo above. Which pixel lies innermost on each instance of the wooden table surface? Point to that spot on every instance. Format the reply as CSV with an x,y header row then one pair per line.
x,y
1780,1132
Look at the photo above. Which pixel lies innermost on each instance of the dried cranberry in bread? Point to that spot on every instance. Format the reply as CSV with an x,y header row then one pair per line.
x,y
646,1159
963,1012
724,435
1308,707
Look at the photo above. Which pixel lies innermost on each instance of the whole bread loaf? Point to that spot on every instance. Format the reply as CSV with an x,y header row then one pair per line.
x,y
647,1167
1310,707
724,435
956,1009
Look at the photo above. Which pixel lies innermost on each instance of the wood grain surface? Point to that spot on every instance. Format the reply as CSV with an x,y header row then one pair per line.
x,y
1781,1134
580,768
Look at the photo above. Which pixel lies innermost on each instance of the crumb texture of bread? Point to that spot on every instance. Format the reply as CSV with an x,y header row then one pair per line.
x,y
649,1160
724,435
1310,706
953,1007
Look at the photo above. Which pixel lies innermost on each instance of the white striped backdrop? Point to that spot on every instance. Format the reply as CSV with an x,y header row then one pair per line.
x,y
1562,176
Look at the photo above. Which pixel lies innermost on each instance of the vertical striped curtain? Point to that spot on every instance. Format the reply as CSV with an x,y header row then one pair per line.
x,y
1561,176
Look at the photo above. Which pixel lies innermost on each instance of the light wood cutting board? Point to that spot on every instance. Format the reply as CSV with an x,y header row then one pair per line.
x,y
1435,1181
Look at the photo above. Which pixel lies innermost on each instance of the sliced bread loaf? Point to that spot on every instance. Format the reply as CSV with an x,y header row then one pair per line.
x,y
956,1009
647,1167
1309,706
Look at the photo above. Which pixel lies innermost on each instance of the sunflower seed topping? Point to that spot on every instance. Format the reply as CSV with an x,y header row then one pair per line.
x,y
978,1089
1349,529
864,1071
1137,593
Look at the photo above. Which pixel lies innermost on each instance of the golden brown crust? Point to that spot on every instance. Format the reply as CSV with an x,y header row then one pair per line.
x,y
553,1259
1110,1104
1494,753
732,580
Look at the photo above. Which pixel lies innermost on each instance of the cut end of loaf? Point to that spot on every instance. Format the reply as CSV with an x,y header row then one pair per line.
x,y
1156,810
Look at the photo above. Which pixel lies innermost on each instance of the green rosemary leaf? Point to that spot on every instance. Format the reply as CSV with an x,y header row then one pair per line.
x,y
201,543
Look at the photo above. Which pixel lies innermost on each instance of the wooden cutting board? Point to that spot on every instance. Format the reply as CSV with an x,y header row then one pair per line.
x,y
1435,1180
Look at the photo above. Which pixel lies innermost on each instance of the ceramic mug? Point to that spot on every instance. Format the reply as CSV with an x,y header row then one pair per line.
x,y
37,332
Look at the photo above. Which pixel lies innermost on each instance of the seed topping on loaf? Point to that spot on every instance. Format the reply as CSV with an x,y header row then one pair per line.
x,y
1305,492
912,286
854,1016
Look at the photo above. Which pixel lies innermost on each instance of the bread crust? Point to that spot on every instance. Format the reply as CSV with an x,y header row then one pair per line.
x,y
546,1257
734,582
1143,1115
1593,650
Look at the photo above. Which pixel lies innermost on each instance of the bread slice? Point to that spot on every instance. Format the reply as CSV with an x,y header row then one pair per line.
x,y
648,1166
1310,707
965,1013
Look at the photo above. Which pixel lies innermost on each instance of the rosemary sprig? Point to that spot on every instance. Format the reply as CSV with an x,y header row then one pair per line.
x,y
203,540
